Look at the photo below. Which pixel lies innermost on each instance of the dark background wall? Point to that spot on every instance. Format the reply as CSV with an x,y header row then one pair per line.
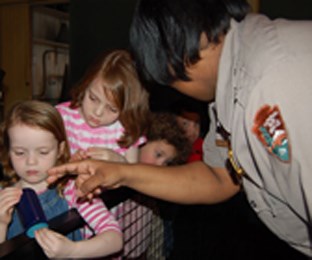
x,y
291,9
95,26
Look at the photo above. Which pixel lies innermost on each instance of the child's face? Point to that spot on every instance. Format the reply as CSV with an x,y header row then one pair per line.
x,y
96,108
190,127
32,152
157,153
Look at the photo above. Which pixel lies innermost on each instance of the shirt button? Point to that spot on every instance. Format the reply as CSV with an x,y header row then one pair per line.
x,y
253,204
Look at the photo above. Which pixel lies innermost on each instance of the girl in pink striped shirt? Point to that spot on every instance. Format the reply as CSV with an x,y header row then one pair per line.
x,y
33,139
108,109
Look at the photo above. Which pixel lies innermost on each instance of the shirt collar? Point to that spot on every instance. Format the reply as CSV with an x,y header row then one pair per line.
x,y
225,91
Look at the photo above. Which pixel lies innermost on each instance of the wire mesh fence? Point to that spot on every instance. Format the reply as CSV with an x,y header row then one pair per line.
x,y
143,227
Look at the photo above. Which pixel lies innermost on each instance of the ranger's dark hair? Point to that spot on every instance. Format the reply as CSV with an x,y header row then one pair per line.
x,y
165,34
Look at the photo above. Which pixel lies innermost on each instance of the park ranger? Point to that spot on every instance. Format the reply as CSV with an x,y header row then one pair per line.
x,y
256,75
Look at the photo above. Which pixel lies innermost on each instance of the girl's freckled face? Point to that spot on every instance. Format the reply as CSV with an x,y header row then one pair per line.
x,y
96,108
32,152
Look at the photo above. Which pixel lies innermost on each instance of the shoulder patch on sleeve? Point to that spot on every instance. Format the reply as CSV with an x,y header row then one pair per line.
x,y
270,129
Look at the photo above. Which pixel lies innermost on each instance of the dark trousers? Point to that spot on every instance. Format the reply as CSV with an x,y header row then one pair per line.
x,y
230,230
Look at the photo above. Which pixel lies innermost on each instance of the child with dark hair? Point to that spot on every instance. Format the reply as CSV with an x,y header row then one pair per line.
x,y
163,131
192,119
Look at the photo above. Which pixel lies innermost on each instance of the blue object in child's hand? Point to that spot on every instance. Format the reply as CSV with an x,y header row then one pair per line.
x,y
31,213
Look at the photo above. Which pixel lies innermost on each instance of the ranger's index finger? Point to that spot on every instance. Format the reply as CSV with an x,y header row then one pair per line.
x,y
91,184
59,171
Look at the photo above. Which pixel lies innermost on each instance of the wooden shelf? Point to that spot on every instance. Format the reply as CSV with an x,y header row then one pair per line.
x,y
51,11
54,44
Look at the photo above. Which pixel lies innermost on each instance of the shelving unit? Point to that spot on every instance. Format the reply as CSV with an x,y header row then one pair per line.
x,y
50,48
28,28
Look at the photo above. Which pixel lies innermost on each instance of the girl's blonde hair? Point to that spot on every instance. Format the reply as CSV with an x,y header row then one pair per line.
x,y
121,82
34,114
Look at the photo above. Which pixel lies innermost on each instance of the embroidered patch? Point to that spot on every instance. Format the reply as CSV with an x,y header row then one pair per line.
x,y
270,129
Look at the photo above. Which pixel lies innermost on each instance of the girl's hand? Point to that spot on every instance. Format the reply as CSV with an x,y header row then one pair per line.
x,y
9,197
79,155
99,153
54,245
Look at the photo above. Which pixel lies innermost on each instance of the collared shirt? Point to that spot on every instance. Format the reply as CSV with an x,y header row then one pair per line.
x,y
263,101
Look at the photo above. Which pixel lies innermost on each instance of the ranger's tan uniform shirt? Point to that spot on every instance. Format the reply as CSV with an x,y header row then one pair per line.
x,y
264,106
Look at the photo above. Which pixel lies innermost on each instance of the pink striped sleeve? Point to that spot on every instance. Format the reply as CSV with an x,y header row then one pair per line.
x,y
97,216
94,212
